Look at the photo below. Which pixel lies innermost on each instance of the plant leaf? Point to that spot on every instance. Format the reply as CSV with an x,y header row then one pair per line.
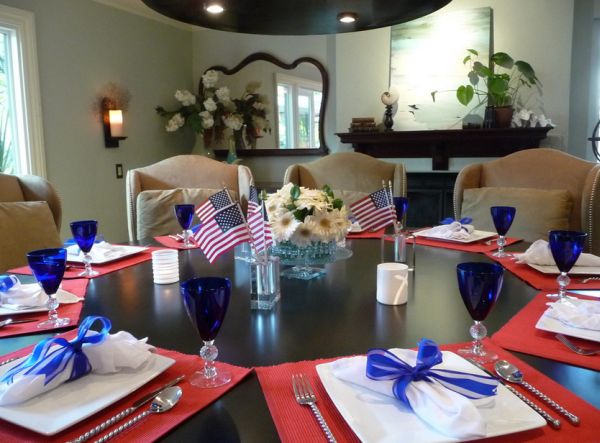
x,y
497,86
482,70
473,78
465,94
466,59
527,71
295,192
473,51
433,95
503,59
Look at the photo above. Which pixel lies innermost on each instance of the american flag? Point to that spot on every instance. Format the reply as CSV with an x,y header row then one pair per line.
x,y
374,211
253,201
260,229
215,202
225,229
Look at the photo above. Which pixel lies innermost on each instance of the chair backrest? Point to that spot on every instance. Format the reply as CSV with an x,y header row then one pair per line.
x,y
542,169
350,172
31,188
186,172
30,216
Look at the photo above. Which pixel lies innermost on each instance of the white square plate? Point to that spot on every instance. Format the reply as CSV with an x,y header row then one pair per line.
x,y
72,402
117,252
8,310
575,270
475,236
378,418
547,323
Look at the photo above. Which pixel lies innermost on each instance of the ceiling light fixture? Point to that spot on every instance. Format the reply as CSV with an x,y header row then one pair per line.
x,y
214,8
347,17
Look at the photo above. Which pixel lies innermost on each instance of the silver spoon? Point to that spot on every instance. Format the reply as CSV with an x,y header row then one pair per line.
x,y
165,400
10,321
511,373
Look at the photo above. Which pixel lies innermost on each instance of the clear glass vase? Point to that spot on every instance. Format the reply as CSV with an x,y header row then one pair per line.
x,y
304,258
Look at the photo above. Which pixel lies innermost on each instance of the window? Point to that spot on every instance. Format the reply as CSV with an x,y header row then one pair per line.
x,y
298,105
21,140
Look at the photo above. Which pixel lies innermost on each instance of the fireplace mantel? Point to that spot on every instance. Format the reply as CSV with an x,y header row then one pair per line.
x,y
441,145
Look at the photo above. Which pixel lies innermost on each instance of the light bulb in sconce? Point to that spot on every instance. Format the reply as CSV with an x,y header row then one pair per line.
x,y
112,123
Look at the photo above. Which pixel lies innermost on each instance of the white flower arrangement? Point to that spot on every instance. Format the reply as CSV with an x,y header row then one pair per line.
x,y
304,216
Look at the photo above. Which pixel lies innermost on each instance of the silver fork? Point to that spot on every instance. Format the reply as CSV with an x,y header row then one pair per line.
x,y
585,280
305,396
573,347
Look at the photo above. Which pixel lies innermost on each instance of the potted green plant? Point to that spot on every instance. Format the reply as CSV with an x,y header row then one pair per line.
x,y
498,85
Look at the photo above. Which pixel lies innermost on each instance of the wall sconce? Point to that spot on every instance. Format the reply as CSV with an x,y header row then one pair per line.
x,y
112,121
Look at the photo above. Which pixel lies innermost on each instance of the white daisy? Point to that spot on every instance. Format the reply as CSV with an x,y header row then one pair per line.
x,y
324,225
303,236
284,226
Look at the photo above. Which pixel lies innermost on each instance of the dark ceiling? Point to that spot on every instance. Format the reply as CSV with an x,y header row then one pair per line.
x,y
296,17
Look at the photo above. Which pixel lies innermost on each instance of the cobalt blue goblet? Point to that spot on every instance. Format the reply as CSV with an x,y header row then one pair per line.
x,y
503,217
185,215
566,247
206,300
48,267
84,233
479,285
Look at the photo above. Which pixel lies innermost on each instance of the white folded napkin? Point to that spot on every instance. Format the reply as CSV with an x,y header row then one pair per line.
x,y
116,352
446,411
455,230
100,252
539,254
31,295
582,314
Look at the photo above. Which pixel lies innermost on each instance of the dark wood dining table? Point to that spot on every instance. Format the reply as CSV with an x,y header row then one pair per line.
x,y
334,315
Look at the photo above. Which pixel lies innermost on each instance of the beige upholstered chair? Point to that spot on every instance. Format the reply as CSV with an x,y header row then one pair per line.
x,y
152,190
351,175
551,190
30,216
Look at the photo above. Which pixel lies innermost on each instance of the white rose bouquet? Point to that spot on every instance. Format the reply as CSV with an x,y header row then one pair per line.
x,y
305,216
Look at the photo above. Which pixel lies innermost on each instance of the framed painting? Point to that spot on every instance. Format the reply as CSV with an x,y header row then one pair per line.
x,y
427,55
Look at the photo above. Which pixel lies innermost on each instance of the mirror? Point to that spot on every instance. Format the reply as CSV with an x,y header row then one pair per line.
x,y
297,96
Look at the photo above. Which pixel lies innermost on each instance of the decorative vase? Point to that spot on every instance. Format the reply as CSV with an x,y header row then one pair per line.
x,y
303,258
201,147
503,116
238,138
388,121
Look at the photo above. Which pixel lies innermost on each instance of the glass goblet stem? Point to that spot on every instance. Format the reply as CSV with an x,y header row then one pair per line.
x,y
478,331
186,239
563,280
209,353
501,243
52,305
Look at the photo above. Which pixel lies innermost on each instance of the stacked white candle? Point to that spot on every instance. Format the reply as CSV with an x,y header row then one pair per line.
x,y
165,266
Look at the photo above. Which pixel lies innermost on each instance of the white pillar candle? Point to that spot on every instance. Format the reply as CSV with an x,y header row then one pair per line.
x,y
115,117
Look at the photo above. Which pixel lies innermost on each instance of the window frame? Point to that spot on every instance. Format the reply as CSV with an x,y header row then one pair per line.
x,y
25,63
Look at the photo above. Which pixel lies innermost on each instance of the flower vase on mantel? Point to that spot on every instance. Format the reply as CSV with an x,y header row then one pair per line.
x,y
203,144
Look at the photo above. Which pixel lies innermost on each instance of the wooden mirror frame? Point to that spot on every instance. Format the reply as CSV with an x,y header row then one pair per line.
x,y
263,152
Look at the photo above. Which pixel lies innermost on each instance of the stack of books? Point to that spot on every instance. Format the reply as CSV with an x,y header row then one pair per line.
x,y
363,124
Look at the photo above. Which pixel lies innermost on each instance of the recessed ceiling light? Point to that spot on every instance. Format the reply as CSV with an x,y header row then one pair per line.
x,y
214,8
347,17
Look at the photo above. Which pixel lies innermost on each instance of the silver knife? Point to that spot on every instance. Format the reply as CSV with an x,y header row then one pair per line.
x,y
554,422
126,412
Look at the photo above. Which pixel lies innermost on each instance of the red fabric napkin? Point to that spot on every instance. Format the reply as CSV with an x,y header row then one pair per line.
x,y
479,246
539,280
70,310
520,334
107,268
295,423
171,243
366,234
155,425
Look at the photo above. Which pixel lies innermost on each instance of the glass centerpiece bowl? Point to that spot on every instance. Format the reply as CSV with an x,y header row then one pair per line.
x,y
309,227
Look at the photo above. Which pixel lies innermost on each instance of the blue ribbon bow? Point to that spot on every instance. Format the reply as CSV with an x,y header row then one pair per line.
x,y
462,221
52,362
383,365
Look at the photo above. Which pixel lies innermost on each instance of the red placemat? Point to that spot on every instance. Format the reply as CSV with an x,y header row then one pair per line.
x,y
366,234
153,426
171,243
479,246
70,310
73,272
539,280
296,423
520,334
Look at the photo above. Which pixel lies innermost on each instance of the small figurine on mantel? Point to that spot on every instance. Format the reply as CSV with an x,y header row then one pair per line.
x,y
389,99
